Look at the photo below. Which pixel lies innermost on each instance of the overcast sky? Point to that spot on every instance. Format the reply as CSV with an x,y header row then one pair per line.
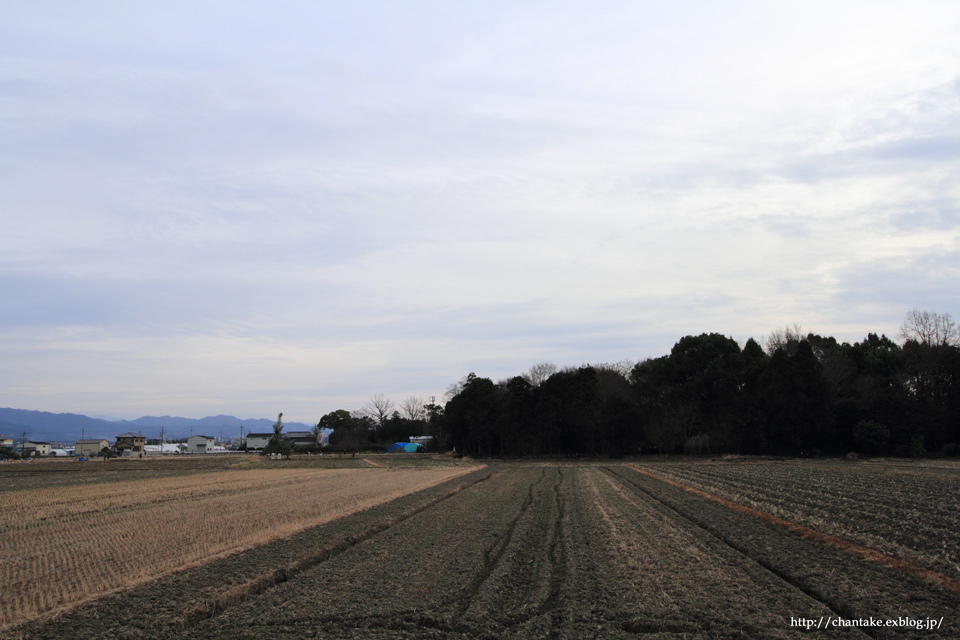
x,y
248,208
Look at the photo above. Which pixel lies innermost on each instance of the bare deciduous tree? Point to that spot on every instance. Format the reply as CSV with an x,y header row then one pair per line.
x,y
414,408
623,367
786,338
457,387
929,328
539,373
378,408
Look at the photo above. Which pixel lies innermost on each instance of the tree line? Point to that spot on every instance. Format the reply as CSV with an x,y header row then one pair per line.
x,y
379,422
801,394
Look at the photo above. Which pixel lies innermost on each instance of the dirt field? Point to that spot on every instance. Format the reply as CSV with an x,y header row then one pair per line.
x,y
514,550
73,542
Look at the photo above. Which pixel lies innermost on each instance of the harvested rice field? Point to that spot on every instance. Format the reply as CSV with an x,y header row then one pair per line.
x,y
70,543
633,549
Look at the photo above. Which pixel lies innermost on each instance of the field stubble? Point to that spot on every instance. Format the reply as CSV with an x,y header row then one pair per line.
x,y
71,543
546,550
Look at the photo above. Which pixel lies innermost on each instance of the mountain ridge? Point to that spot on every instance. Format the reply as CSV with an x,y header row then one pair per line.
x,y
69,427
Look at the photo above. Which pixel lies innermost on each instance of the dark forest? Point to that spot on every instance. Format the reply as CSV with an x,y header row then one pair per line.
x,y
802,395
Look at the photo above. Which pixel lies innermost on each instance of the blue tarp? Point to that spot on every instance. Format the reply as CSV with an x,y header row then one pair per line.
x,y
405,447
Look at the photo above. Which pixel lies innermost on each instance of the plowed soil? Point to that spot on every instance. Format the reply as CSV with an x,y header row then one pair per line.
x,y
557,551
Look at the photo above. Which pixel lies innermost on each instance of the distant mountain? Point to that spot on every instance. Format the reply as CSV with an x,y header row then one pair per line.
x,y
68,427
100,416
11,430
210,421
52,427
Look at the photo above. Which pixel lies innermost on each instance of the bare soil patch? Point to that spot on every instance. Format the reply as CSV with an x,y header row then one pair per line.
x,y
71,543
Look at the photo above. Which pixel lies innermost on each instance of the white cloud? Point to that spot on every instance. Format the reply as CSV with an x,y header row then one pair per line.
x,y
328,201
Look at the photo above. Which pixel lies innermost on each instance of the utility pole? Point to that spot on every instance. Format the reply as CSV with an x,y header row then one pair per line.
x,y
433,401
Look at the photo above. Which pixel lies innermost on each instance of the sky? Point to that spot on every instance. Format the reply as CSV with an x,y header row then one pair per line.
x,y
255,207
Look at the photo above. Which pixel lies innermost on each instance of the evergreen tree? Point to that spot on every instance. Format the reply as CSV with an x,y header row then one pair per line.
x,y
278,443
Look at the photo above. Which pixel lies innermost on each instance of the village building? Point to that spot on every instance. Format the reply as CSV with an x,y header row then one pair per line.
x,y
37,448
87,448
301,438
200,444
130,444
165,448
258,440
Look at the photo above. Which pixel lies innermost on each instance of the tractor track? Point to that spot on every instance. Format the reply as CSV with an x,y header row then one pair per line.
x,y
556,555
259,584
493,556
516,591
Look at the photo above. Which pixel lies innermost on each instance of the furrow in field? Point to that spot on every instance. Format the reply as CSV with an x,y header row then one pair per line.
x,y
533,553
520,596
678,579
524,550
849,586
488,564
492,560
417,574
680,523
166,607
911,517
860,551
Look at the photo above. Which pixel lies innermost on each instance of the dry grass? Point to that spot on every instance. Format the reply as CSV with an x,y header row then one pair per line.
x,y
67,544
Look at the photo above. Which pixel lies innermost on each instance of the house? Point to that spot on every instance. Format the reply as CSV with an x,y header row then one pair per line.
x,y
130,444
6,444
87,448
37,448
301,438
200,444
258,440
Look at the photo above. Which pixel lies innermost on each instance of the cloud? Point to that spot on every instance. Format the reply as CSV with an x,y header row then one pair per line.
x,y
328,201
921,280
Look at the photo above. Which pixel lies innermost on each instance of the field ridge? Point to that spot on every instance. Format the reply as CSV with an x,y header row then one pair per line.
x,y
838,608
835,541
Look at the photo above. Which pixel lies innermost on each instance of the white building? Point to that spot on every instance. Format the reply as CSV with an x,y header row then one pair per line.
x,y
258,440
36,448
200,444
165,449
